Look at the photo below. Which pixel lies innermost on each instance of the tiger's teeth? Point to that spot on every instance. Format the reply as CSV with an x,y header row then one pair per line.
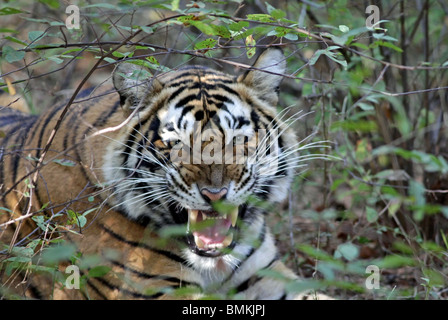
x,y
227,241
199,243
234,216
192,218
193,215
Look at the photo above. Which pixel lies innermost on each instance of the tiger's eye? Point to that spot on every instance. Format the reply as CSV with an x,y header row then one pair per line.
x,y
174,143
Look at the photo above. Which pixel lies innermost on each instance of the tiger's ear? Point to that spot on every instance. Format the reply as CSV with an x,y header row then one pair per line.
x,y
134,83
266,84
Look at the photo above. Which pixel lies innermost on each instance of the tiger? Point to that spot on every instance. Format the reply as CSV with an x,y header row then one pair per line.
x,y
124,155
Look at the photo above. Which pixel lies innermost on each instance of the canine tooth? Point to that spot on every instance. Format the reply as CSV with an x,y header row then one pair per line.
x,y
199,243
193,215
234,216
227,241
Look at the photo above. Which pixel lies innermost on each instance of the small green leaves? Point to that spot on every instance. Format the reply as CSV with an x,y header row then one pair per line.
x,y
8,11
238,26
64,162
371,214
276,14
11,55
205,44
58,253
348,250
175,5
344,28
99,271
330,54
204,25
250,46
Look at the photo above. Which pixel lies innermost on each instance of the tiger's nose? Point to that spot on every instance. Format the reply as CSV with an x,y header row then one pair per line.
x,y
213,194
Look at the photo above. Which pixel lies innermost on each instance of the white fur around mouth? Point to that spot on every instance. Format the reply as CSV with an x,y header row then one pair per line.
x,y
210,229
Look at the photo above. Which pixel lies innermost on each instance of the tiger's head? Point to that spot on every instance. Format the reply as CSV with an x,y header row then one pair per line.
x,y
200,146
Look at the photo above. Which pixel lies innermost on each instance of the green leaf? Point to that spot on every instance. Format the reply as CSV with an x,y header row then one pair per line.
x,y
58,253
344,28
360,125
40,221
291,36
11,55
206,44
6,30
347,250
35,35
13,39
396,261
238,26
8,10
273,274
57,24
388,45
260,17
417,192
315,253
102,5
250,46
329,54
5,209
54,4
175,5
99,271
304,285
64,162
402,247
434,278
275,13
146,29
432,247
168,232
119,54
371,215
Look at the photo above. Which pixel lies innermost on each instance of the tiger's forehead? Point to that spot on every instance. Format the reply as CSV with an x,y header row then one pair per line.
x,y
196,74
198,94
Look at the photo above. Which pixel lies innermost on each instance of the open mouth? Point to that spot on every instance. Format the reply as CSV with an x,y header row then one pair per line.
x,y
212,231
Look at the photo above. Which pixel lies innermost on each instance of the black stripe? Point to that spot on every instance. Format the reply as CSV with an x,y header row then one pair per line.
x,y
35,291
98,292
254,279
179,282
103,119
175,94
179,185
46,121
255,119
11,118
184,112
245,285
246,181
184,101
72,119
261,238
227,88
129,292
267,116
282,163
135,132
20,139
167,254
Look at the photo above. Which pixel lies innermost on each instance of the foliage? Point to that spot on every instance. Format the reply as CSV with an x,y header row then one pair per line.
x,y
379,95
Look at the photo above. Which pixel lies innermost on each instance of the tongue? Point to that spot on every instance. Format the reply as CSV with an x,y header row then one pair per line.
x,y
215,233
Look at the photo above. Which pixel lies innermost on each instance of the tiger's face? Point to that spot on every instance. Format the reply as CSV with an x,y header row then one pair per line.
x,y
202,147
